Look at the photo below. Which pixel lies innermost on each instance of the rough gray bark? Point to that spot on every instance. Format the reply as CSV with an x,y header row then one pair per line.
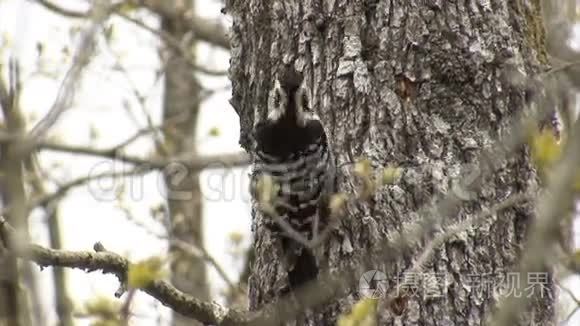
x,y
414,84
180,109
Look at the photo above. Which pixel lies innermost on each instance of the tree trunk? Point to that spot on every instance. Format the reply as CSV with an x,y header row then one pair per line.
x,y
14,298
14,307
180,110
412,84
64,306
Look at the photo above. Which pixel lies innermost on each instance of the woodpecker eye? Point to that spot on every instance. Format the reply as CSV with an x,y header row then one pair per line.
x,y
305,103
277,99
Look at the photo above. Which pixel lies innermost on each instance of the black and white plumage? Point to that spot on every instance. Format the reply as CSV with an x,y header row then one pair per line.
x,y
291,146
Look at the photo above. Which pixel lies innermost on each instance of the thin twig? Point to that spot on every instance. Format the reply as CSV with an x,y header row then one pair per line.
x,y
452,230
197,163
61,10
194,251
174,43
204,29
142,102
45,200
140,133
553,205
566,320
201,252
66,91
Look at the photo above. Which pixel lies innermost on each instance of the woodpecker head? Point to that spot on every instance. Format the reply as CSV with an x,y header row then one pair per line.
x,y
289,102
291,125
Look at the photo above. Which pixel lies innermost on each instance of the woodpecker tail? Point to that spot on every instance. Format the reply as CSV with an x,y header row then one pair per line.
x,y
302,266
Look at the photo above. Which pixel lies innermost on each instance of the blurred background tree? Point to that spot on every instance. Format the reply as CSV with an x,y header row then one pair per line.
x,y
115,94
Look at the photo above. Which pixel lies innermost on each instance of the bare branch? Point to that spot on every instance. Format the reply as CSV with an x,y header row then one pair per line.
x,y
64,188
174,43
189,249
204,29
46,199
195,163
112,263
61,10
67,88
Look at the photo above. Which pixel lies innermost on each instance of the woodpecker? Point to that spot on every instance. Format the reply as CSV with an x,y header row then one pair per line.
x,y
291,147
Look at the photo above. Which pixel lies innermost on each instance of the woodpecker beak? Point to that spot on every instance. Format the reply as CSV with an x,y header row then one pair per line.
x,y
277,102
303,110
